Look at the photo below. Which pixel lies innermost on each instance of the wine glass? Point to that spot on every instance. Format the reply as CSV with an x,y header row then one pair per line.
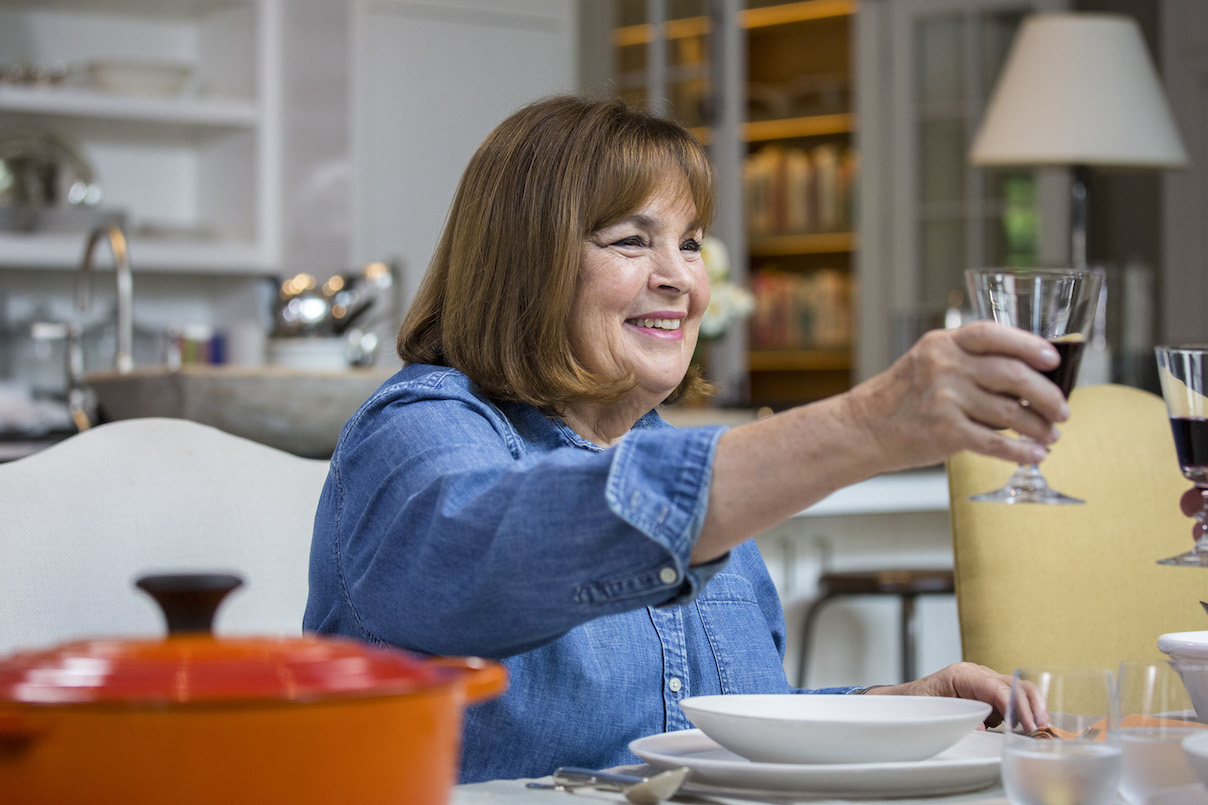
x,y
1183,372
1060,744
1058,304
1156,714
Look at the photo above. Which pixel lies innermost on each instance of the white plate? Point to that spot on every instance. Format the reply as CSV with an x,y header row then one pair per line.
x,y
972,764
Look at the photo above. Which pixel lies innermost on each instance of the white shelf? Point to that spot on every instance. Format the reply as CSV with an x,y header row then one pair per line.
x,y
64,251
150,8
207,161
80,103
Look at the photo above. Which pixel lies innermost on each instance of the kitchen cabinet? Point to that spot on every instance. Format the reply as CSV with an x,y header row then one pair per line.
x,y
197,170
790,214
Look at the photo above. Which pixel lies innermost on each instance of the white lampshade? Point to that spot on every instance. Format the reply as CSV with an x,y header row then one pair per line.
x,y
1079,89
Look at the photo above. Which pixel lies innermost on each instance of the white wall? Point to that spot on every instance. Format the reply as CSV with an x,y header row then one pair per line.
x,y
431,80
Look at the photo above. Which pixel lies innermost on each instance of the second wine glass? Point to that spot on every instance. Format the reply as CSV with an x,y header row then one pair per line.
x,y
1183,373
1057,304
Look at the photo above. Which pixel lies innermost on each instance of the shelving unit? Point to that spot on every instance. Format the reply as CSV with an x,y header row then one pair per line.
x,y
799,89
196,174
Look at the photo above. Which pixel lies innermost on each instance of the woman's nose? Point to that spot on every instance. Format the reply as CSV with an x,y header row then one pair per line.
x,y
674,272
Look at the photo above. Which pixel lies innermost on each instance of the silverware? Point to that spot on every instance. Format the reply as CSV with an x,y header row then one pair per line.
x,y
649,790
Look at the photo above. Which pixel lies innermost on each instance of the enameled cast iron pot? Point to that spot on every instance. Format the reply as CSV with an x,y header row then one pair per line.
x,y
199,719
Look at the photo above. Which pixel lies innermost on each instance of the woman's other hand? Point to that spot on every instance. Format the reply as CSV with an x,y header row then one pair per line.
x,y
966,680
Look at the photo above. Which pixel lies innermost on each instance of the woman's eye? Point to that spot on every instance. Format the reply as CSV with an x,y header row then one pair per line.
x,y
690,245
632,240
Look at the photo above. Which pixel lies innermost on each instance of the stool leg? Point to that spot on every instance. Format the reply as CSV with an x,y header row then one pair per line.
x,y
807,628
909,635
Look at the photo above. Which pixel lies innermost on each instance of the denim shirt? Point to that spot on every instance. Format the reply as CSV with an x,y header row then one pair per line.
x,y
453,525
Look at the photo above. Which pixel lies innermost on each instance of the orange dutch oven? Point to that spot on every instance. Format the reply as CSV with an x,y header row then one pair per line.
x,y
199,719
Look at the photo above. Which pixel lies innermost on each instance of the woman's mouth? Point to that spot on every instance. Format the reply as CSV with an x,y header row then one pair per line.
x,y
655,324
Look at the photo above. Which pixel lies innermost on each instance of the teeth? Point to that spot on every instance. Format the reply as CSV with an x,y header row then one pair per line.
x,y
661,324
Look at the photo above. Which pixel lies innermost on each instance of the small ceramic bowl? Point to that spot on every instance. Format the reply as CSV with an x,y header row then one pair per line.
x,y
1188,652
822,728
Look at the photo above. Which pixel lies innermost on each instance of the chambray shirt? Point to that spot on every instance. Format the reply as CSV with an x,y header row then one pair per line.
x,y
453,525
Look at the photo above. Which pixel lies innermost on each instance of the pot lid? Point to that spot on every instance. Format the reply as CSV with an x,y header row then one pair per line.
x,y
192,666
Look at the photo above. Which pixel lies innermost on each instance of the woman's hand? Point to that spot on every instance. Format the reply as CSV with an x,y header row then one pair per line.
x,y
958,390
966,680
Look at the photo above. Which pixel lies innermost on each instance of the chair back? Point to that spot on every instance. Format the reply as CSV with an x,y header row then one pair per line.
x,y
1079,584
81,520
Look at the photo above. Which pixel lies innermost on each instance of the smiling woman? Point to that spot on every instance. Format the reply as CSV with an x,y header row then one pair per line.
x,y
513,492
636,312
555,175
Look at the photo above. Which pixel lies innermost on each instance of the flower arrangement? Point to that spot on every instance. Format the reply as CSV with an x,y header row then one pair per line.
x,y
727,302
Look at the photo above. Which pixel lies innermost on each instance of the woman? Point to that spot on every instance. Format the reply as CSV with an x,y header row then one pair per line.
x,y
513,492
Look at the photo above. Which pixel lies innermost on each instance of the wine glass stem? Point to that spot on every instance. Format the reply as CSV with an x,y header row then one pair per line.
x,y
1027,476
1200,529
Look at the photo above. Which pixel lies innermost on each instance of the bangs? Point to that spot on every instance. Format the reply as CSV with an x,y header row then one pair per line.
x,y
647,156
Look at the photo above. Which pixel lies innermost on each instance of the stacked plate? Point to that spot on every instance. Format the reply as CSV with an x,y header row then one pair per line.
x,y
831,744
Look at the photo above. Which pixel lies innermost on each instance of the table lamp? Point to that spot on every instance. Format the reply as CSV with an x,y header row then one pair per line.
x,y
1078,90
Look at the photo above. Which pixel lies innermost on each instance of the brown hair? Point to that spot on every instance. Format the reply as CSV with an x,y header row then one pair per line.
x,y
495,302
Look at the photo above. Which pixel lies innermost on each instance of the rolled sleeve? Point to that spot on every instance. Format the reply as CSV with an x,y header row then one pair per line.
x,y
659,484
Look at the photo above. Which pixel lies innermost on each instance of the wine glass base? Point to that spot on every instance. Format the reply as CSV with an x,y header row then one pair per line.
x,y
1046,495
1189,559
1026,485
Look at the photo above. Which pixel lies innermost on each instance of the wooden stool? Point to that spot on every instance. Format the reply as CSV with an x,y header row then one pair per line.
x,y
905,584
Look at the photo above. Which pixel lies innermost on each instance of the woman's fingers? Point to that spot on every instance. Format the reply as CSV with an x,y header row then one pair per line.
x,y
1007,362
959,390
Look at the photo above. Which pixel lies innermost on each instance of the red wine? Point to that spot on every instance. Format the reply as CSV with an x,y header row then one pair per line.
x,y
1071,358
1191,443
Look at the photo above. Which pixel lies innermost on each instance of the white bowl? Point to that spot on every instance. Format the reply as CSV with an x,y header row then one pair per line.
x,y
1188,652
138,77
1185,645
825,728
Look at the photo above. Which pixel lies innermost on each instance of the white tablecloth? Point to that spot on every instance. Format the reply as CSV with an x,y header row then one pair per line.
x,y
514,792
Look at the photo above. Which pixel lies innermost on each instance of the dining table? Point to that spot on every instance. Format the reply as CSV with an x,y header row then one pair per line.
x,y
517,792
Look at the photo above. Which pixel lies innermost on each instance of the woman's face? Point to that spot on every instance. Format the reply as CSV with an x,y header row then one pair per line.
x,y
641,292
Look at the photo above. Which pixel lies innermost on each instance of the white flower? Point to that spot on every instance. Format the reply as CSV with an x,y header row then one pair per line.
x,y
727,301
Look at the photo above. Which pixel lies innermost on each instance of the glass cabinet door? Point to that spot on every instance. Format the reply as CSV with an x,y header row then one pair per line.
x,y
926,70
767,86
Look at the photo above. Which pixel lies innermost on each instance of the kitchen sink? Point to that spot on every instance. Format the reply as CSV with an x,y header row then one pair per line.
x,y
298,410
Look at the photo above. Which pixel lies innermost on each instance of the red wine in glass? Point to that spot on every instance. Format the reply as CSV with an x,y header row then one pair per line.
x,y
1070,349
1183,372
1191,444
1058,304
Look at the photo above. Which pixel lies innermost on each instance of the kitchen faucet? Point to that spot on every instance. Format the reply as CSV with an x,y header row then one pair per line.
x,y
123,361
81,399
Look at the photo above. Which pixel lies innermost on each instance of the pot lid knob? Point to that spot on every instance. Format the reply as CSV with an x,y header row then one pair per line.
x,y
189,600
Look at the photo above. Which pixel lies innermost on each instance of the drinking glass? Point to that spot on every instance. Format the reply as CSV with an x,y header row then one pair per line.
x,y
1060,745
1057,304
1156,714
1183,372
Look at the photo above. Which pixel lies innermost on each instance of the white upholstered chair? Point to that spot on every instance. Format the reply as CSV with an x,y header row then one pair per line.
x,y
81,520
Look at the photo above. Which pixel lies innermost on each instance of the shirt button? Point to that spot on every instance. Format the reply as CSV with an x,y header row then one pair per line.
x,y
668,575
675,684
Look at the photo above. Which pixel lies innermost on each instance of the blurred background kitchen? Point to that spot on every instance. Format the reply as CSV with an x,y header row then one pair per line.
x,y
266,179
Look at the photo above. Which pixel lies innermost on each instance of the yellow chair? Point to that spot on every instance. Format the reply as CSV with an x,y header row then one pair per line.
x,y
1039,584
